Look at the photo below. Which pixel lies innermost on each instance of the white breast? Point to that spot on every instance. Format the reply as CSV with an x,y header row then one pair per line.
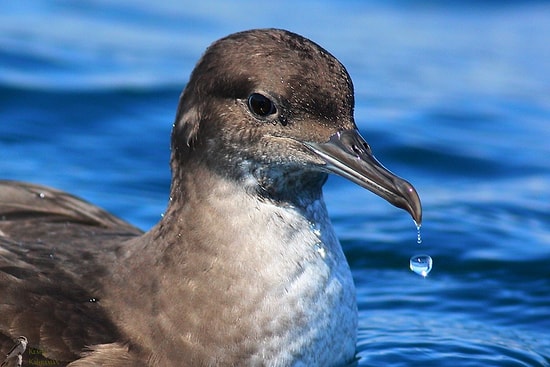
x,y
316,294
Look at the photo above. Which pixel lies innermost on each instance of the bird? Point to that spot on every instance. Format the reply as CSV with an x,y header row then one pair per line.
x,y
244,267
16,353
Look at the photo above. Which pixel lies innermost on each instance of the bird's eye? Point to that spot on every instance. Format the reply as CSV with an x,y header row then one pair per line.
x,y
260,105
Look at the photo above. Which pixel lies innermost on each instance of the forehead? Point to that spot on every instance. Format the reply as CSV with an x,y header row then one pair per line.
x,y
280,62
276,53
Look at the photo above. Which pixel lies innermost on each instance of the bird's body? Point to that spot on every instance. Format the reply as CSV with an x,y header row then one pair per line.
x,y
244,268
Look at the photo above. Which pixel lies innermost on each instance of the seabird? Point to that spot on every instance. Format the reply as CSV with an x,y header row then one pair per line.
x,y
244,267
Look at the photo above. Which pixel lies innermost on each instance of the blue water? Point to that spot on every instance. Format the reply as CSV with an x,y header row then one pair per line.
x,y
454,98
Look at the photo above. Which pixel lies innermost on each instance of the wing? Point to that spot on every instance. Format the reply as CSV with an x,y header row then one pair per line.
x,y
54,249
33,203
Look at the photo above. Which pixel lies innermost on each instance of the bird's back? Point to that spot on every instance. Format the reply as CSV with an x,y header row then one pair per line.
x,y
53,248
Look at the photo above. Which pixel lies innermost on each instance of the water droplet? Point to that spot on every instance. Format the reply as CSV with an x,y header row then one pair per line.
x,y
41,195
320,250
418,236
315,229
93,300
421,264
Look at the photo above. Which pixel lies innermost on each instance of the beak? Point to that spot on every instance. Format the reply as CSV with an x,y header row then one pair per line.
x,y
347,154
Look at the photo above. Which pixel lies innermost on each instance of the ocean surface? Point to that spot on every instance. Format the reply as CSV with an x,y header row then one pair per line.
x,y
455,98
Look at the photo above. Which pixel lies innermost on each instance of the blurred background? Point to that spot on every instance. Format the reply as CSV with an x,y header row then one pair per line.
x,y
452,96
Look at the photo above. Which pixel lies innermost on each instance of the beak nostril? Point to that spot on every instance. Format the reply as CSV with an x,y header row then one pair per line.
x,y
361,149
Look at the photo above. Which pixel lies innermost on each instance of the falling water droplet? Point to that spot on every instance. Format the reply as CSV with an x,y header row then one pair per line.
x,y
421,264
418,235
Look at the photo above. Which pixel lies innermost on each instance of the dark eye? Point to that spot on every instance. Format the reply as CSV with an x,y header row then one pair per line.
x,y
261,105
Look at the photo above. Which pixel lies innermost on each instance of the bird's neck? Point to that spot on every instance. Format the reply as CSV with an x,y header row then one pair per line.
x,y
257,213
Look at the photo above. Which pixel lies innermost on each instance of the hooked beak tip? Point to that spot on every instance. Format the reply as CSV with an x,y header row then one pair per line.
x,y
410,201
